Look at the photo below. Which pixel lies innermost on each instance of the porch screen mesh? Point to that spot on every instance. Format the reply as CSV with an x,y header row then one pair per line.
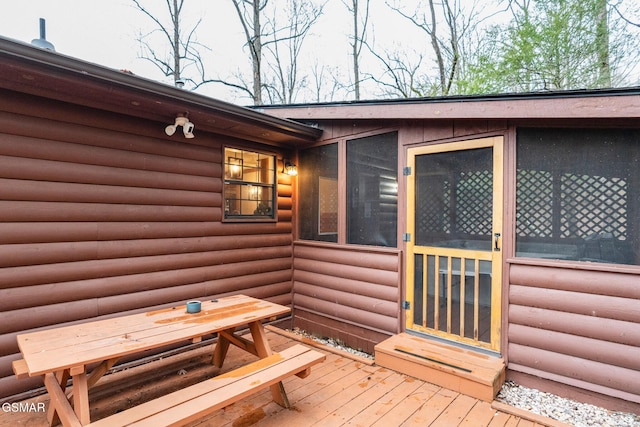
x,y
372,190
577,194
318,184
454,197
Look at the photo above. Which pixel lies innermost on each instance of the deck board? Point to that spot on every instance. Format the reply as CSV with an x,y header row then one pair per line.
x,y
374,390
432,409
480,414
501,419
339,392
378,409
408,406
457,411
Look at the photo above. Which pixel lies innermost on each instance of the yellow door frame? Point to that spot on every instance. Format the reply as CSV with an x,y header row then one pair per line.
x,y
497,144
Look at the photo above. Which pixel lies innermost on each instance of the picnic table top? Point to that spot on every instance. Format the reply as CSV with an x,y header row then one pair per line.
x,y
65,347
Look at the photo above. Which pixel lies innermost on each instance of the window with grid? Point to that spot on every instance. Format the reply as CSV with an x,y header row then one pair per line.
x,y
249,185
577,194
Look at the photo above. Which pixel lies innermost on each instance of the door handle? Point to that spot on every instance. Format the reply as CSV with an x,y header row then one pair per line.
x,y
496,240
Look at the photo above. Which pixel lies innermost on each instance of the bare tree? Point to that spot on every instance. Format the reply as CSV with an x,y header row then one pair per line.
x,y
358,37
183,46
402,74
265,34
250,13
326,82
284,48
445,42
624,34
627,20
624,11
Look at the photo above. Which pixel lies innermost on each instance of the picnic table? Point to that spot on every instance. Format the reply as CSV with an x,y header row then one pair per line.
x,y
69,351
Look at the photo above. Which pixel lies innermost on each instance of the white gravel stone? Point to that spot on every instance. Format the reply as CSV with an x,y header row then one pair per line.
x,y
565,410
333,343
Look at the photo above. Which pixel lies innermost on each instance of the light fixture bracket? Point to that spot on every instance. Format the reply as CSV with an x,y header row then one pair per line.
x,y
187,126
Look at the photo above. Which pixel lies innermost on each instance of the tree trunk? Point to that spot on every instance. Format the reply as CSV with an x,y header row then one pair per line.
x,y
176,42
356,59
256,55
436,48
602,42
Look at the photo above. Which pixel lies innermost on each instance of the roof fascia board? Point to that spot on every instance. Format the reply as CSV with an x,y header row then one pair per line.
x,y
31,56
559,105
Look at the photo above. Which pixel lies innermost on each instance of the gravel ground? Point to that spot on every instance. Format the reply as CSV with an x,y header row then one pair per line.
x,y
565,410
541,403
332,343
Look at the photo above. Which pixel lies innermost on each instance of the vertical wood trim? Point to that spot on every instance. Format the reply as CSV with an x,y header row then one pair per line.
x,y
497,258
476,300
449,291
436,293
403,227
508,233
425,288
463,301
343,192
409,214
294,202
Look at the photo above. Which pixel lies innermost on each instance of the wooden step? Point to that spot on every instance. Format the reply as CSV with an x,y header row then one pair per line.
x,y
472,373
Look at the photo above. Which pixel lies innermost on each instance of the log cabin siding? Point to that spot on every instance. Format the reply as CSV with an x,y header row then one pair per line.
x,y
351,293
565,325
96,221
576,327
104,214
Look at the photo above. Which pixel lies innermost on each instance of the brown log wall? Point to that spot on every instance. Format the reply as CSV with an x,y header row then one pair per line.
x,y
350,293
97,221
576,327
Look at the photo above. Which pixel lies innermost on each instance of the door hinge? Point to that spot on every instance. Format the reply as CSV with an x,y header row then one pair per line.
x,y
406,237
406,305
406,171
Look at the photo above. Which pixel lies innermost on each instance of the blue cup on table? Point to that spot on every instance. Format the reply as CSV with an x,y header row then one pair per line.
x,y
194,306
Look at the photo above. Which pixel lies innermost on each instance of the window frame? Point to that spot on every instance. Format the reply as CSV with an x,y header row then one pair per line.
x,y
343,196
226,182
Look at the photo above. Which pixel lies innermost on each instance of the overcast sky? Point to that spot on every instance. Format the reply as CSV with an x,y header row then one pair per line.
x,y
105,31
97,31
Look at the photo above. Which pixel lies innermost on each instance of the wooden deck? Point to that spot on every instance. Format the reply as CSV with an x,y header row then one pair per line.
x,y
340,391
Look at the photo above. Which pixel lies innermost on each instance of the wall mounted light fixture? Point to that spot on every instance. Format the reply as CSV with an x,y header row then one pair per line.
x,y
234,168
187,127
289,168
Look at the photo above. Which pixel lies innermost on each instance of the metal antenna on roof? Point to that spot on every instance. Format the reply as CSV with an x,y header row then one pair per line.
x,y
42,41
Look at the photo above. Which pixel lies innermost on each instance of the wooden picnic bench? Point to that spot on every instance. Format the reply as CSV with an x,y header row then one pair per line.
x,y
66,352
198,400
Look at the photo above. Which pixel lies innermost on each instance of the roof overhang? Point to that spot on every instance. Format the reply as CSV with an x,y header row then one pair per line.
x,y
579,104
43,73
